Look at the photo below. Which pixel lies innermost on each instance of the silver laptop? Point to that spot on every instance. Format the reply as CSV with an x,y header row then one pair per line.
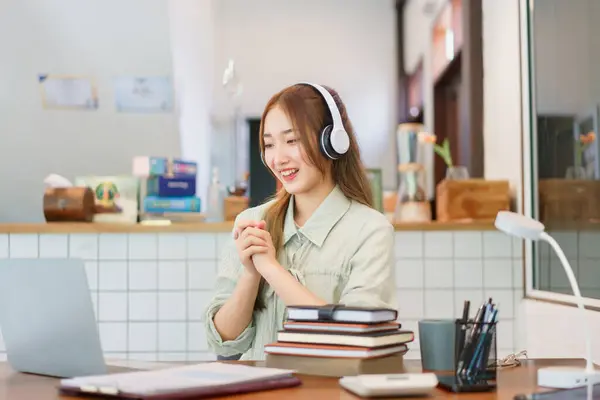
x,y
47,318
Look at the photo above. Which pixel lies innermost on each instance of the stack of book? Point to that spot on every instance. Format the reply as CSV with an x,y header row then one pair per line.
x,y
168,190
340,341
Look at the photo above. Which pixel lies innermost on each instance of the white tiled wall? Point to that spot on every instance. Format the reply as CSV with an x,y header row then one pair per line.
x,y
150,290
582,249
437,271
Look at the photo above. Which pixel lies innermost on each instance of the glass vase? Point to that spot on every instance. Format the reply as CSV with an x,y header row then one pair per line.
x,y
574,172
456,173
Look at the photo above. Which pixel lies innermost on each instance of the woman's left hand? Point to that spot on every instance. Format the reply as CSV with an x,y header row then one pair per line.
x,y
263,260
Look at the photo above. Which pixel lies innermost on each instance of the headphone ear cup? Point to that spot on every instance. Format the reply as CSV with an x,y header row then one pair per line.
x,y
325,141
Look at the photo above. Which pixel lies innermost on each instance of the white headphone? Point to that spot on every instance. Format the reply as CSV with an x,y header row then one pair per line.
x,y
334,140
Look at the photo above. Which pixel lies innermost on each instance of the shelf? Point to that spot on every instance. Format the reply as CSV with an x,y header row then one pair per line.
x,y
82,227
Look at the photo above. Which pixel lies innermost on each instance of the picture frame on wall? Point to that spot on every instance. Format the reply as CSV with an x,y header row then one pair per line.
x,y
375,177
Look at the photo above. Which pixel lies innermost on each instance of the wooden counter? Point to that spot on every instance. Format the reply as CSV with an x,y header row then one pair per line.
x,y
69,227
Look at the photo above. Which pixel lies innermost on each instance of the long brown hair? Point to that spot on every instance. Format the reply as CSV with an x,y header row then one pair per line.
x,y
308,112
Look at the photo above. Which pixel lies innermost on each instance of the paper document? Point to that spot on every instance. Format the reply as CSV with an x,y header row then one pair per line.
x,y
143,94
174,379
68,92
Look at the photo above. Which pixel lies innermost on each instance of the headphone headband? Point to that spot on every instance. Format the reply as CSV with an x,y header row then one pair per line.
x,y
333,109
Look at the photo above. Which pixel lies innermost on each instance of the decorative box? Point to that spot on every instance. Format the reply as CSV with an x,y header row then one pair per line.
x,y
233,206
569,201
471,199
116,197
160,205
166,186
144,166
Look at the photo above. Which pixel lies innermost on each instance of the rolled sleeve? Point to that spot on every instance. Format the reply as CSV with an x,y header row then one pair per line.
x,y
371,281
229,271
239,345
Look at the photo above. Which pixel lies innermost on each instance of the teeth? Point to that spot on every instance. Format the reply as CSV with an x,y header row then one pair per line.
x,y
289,172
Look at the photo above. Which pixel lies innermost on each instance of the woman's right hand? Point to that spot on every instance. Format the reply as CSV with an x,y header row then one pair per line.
x,y
248,245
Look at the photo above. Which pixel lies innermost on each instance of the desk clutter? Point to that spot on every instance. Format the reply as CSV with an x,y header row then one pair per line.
x,y
336,341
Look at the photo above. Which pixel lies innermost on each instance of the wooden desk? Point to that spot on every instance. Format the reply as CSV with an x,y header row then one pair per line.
x,y
512,381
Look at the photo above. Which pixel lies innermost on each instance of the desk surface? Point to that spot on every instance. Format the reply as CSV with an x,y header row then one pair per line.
x,y
511,381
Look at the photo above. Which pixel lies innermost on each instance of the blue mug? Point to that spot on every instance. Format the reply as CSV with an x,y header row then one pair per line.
x,y
437,342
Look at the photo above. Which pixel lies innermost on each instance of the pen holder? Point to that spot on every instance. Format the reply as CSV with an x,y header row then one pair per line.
x,y
475,350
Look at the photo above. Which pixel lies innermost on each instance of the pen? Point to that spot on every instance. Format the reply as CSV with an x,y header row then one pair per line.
x,y
465,316
482,343
463,331
468,350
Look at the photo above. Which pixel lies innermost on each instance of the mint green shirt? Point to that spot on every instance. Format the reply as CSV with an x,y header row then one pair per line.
x,y
343,254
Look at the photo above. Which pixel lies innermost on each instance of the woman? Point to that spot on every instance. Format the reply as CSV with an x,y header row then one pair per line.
x,y
318,242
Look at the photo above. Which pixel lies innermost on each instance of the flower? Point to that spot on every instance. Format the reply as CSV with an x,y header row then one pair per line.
x,y
582,144
426,137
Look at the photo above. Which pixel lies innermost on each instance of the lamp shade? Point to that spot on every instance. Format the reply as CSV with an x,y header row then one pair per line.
x,y
519,225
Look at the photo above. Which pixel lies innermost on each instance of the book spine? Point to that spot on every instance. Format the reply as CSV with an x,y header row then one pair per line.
x,y
164,186
154,204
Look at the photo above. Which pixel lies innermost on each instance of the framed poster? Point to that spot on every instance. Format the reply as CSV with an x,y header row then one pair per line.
x,y
68,92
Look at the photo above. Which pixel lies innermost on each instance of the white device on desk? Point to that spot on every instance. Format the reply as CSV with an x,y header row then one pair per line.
x,y
390,384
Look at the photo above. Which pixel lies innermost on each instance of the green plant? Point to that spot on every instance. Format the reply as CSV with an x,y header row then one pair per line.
x,y
444,152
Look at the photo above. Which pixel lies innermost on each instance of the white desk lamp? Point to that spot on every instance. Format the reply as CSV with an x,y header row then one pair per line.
x,y
555,377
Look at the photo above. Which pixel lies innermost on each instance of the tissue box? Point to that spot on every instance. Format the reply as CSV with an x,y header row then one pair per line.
x,y
116,197
145,166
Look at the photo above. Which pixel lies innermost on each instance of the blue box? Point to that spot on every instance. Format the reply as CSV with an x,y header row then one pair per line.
x,y
153,166
158,205
166,186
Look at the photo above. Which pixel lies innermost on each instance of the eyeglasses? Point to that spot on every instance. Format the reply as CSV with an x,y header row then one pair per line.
x,y
512,360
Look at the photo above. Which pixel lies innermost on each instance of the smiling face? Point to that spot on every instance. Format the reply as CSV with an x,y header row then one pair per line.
x,y
285,155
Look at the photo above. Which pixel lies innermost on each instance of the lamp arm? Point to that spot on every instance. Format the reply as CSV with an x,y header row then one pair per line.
x,y
575,287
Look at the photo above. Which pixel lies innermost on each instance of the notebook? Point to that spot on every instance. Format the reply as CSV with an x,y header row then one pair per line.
x,y
340,327
190,381
370,339
338,367
327,350
341,313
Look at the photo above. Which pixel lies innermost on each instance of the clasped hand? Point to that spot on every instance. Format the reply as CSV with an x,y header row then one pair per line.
x,y
254,246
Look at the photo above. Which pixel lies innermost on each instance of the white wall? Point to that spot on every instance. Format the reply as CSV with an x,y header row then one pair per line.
x,y
104,39
349,45
502,94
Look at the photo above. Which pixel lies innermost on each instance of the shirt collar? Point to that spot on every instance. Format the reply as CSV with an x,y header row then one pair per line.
x,y
320,223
